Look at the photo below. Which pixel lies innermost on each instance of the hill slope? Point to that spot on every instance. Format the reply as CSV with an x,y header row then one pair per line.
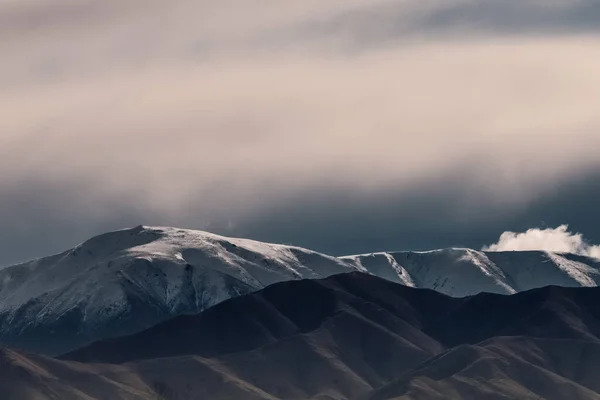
x,y
425,318
349,336
504,368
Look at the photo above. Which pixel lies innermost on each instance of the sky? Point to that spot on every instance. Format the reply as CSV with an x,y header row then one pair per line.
x,y
345,126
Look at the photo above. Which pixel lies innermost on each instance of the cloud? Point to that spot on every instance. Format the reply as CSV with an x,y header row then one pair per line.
x,y
384,23
208,111
559,240
168,105
250,129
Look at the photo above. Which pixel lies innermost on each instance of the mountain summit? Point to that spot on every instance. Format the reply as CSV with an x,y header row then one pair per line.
x,y
125,281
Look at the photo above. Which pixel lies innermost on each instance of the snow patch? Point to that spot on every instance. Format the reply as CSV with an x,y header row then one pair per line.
x,y
581,273
403,274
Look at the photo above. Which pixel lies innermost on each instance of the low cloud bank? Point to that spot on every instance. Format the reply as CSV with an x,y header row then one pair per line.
x,y
560,240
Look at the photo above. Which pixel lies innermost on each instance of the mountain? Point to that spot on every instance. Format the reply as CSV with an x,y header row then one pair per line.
x,y
350,336
342,302
503,368
125,281
33,377
499,369
463,272
427,319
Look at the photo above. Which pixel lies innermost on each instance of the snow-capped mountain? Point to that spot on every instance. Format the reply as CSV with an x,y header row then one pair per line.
x,y
464,272
126,281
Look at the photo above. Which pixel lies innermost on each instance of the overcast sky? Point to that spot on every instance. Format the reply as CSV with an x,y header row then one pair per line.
x,y
345,126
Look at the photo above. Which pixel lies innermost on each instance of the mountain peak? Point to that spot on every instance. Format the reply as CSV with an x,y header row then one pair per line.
x,y
128,280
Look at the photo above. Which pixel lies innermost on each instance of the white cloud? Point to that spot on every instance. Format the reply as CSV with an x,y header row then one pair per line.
x,y
559,240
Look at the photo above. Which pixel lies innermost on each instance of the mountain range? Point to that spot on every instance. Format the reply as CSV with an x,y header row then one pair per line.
x,y
349,336
127,281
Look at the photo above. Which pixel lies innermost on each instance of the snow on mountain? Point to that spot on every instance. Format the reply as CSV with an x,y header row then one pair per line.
x,y
463,272
125,281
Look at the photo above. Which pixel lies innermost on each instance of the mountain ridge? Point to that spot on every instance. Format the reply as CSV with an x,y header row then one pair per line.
x,y
448,320
353,336
125,281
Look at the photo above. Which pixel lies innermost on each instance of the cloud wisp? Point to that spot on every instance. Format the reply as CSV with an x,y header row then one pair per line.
x,y
558,240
